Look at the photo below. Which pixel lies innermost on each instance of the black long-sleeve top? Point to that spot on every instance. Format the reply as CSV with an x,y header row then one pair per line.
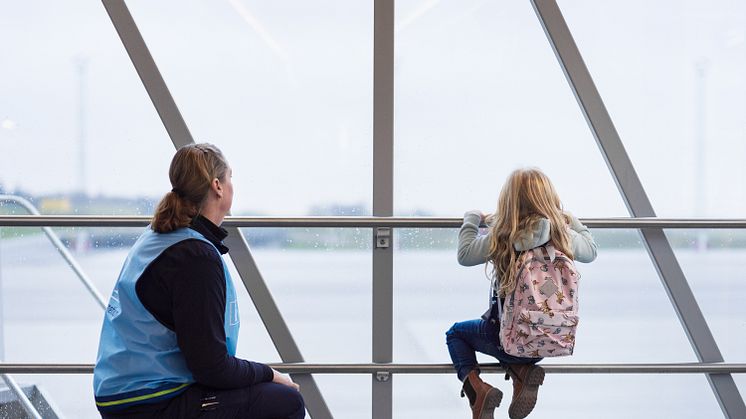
x,y
184,289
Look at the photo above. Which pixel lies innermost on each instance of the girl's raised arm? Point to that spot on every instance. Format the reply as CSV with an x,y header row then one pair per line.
x,y
583,246
472,248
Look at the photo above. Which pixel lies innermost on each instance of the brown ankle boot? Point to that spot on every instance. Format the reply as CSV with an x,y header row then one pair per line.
x,y
483,398
526,381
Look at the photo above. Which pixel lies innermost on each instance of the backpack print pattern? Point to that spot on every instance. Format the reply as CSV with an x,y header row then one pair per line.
x,y
540,318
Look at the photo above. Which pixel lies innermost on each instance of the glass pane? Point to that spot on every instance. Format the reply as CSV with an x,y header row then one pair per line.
x,y
347,396
479,93
78,131
285,96
617,396
320,280
321,285
47,314
44,302
673,77
68,396
713,262
626,317
619,291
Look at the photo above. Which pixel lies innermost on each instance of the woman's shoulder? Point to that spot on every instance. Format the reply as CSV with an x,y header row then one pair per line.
x,y
194,249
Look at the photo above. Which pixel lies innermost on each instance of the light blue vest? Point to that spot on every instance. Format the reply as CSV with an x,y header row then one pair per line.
x,y
139,360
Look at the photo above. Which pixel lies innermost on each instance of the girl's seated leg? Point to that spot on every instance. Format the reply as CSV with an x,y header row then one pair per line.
x,y
466,338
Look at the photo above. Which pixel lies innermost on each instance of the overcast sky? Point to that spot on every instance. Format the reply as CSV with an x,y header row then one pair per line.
x,y
285,89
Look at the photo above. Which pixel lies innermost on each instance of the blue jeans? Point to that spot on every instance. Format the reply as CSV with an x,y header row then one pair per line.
x,y
465,339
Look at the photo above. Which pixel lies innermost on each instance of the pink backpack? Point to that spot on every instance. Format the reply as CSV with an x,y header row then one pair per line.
x,y
540,317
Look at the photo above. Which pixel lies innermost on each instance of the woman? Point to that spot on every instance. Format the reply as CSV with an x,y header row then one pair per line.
x,y
168,342
529,214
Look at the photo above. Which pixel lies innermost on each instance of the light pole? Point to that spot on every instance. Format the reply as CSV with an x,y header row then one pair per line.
x,y
700,198
81,65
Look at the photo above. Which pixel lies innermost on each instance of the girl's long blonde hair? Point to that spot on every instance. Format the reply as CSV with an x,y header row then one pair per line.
x,y
526,198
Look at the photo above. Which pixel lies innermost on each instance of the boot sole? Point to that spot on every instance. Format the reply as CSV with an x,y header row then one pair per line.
x,y
524,403
491,401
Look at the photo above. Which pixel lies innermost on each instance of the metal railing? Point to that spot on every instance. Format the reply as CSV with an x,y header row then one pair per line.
x,y
373,368
381,371
22,399
54,238
356,221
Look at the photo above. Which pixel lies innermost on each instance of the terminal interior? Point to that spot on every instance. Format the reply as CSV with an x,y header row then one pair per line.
x,y
359,132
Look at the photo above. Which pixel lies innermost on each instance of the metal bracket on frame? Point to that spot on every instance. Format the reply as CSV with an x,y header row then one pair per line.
x,y
383,237
383,376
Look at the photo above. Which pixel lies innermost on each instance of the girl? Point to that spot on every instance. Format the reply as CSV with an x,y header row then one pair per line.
x,y
529,214
168,342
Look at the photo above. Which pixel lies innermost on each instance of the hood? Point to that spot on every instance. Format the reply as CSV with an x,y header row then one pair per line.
x,y
534,238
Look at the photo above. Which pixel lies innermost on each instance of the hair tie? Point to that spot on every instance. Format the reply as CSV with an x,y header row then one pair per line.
x,y
177,192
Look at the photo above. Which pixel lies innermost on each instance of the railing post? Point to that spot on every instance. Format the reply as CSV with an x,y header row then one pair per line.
x,y
383,203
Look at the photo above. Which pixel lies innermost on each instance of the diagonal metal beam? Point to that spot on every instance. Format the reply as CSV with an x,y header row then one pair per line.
x,y
638,204
383,204
147,70
240,252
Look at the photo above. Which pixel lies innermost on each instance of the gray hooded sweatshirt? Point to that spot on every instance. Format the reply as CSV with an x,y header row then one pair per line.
x,y
473,249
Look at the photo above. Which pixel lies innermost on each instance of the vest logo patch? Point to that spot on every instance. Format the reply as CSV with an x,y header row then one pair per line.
x,y
113,310
233,313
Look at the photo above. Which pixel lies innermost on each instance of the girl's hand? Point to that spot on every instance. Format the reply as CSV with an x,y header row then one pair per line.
x,y
573,222
281,378
482,216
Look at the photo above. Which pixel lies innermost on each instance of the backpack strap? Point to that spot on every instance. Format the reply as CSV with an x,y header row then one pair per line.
x,y
495,285
547,252
500,311
550,251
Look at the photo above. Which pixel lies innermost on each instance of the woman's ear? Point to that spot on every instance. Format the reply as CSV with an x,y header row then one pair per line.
x,y
217,187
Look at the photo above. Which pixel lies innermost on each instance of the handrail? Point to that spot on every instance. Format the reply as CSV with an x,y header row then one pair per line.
x,y
25,402
59,246
52,236
354,221
372,368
